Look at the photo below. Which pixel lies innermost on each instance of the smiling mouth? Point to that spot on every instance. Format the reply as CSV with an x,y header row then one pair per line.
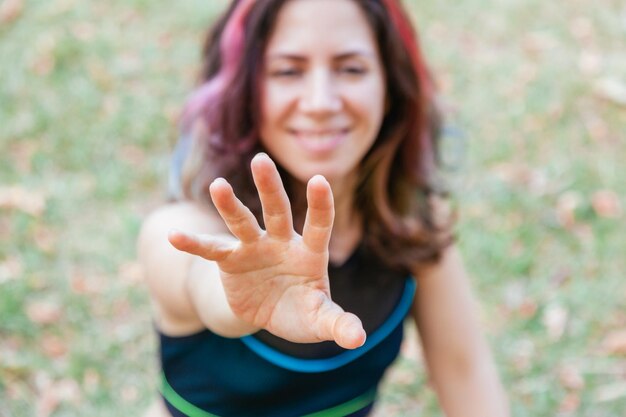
x,y
319,134
320,141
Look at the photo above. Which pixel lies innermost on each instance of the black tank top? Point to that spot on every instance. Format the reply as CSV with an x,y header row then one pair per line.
x,y
206,375
361,285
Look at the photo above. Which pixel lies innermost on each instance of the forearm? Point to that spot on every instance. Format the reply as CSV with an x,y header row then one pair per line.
x,y
458,357
469,390
208,298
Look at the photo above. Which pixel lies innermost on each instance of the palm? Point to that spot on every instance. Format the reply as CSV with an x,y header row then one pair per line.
x,y
276,279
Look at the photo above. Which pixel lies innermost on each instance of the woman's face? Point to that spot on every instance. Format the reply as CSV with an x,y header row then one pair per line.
x,y
323,89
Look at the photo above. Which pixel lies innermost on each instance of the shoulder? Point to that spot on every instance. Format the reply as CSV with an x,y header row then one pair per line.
x,y
448,262
182,215
153,245
444,290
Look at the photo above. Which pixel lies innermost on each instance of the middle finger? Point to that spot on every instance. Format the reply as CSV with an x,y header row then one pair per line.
x,y
274,200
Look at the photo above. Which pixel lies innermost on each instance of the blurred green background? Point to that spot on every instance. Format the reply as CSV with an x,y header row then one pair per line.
x,y
535,92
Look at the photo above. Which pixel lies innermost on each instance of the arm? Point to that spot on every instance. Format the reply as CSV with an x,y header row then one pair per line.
x,y
273,279
457,356
186,290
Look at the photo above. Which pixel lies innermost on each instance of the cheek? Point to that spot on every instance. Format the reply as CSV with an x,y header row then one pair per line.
x,y
275,105
274,102
370,100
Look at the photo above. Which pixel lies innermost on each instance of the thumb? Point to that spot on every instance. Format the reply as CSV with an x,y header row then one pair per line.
x,y
348,331
344,328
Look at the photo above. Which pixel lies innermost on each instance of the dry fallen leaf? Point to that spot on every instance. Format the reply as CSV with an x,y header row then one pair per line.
x,y
44,311
43,65
570,403
43,59
53,346
131,273
411,348
537,42
128,63
171,112
46,403
129,394
513,295
10,10
86,282
596,126
590,63
68,390
523,354
560,277
516,300
45,238
80,285
132,155
555,319
528,308
91,380
401,375
52,393
570,377
581,28
610,392
83,31
611,90
10,269
21,154
615,342
19,198
521,175
566,207
517,173
606,204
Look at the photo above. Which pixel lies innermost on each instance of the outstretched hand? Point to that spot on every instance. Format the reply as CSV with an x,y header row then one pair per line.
x,y
276,279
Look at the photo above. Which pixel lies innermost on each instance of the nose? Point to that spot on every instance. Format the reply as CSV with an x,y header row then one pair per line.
x,y
320,96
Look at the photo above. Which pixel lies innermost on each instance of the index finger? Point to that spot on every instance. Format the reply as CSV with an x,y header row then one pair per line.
x,y
238,218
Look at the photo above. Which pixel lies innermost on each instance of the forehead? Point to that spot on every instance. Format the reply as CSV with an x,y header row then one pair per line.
x,y
321,26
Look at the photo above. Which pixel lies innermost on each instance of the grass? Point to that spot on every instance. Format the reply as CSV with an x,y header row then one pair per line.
x,y
89,93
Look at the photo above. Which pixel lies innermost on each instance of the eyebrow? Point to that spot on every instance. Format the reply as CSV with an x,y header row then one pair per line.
x,y
339,57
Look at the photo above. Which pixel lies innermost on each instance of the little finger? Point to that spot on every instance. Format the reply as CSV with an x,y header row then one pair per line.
x,y
320,214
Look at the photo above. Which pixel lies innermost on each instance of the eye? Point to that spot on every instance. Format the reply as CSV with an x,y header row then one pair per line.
x,y
285,73
352,70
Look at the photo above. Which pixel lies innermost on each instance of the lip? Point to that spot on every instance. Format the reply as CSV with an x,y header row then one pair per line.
x,y
320,141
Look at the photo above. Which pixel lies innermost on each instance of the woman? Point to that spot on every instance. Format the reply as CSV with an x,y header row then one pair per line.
x,y
336,92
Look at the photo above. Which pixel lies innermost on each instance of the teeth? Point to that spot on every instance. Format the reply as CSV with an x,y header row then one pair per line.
x,y
319,136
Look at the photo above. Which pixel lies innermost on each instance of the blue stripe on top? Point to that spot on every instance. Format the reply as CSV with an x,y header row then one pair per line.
x,y
321,365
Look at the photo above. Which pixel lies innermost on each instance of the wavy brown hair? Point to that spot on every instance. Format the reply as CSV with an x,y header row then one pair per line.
x,y
398,187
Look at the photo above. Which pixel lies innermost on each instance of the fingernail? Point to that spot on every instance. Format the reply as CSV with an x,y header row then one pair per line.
x,y
173,232
319,177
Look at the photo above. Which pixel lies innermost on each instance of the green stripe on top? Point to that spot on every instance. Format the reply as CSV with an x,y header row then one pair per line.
x,y
179,402
349,407
191,410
